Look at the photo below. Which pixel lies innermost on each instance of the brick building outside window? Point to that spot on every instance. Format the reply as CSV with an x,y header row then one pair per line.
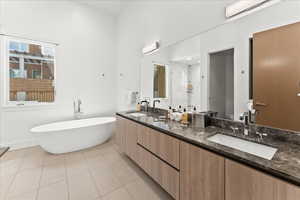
x,y
31,72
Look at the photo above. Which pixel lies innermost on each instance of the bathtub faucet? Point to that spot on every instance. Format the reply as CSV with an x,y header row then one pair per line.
x,y
77,109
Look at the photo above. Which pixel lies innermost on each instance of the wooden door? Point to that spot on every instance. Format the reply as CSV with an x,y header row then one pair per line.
x,y
276,77
201,174
244,183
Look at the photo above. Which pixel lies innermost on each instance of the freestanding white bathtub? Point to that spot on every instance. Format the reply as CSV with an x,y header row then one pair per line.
x,y
74,135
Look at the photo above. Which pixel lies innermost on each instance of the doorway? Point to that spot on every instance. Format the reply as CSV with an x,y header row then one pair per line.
x,y
221,83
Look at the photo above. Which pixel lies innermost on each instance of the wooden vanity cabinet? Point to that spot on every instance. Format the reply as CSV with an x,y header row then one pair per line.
x,y
188,172
245,183
201,174
155,155
126,137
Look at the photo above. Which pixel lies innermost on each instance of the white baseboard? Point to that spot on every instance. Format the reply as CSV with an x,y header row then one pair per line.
x,y
20,144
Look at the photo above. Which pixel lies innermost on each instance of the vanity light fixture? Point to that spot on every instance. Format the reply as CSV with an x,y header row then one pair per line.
x,y
149,49
243,6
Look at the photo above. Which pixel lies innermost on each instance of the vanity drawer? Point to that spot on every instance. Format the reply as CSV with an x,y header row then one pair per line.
x,y
166,176
162,145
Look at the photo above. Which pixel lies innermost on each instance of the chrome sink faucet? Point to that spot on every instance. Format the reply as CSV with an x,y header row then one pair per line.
x,y
261,135
147,104
245,117
77,109
234,129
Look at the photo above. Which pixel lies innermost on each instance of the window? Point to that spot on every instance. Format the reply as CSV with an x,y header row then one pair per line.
x,y
18,46
47,51
30,72
36,74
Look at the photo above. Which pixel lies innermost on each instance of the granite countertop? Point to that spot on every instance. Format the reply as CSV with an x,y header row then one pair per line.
x,y
3,150
284,165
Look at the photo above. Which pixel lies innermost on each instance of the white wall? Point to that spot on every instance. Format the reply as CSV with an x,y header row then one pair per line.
x,y
184,49
179,80
87,48
196,82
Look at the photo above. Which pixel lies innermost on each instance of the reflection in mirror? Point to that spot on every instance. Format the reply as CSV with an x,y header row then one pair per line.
x,y
185,82
160,81
175,76
221,84
276,77
269,70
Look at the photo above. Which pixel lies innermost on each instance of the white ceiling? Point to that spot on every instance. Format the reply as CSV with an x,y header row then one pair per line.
x,y
111,6
114,7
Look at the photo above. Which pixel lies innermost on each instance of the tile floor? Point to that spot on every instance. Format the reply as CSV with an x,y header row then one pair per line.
x,y
99,173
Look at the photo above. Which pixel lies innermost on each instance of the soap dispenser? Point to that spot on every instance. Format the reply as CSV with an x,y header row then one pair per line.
x,y
138,107
184,119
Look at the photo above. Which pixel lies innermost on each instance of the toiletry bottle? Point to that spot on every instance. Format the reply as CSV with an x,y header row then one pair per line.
x,y
179,108
173,114
193,116
169,112
246,129
138,106
184,118
190,116
194,110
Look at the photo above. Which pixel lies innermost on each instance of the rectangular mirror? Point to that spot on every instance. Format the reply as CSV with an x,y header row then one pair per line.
x,y
220,70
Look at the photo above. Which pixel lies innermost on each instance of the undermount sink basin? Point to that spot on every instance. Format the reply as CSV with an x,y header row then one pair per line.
x,y
259,150
137,114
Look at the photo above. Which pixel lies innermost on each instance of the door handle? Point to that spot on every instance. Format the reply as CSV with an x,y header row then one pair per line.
x,y
260,104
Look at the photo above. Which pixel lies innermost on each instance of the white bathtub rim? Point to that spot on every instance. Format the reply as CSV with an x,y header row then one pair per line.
x,y
41,129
